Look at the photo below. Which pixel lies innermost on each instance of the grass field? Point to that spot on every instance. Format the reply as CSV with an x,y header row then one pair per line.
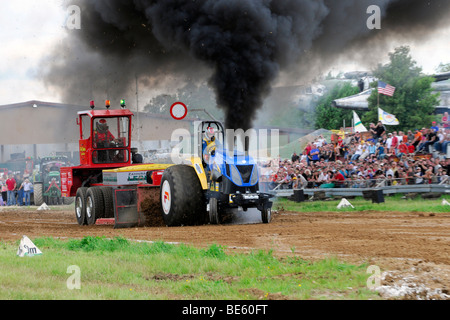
x,y
122,269
394,203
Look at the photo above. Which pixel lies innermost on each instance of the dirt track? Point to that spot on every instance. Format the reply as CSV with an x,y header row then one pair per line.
x,y
401,244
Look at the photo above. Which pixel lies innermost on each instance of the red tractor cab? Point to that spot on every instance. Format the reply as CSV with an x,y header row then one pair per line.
x,y
105,143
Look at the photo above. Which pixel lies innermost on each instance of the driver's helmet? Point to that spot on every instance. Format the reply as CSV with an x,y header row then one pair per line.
x,y
209,133
102,126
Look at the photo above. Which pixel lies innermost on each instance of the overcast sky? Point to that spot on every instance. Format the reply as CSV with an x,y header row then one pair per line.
x,y
30,29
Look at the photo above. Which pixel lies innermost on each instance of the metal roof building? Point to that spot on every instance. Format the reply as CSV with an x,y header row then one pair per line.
x,y
39,129
42,128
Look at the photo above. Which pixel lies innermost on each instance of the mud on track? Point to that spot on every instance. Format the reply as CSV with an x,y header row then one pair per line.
x,y
402,244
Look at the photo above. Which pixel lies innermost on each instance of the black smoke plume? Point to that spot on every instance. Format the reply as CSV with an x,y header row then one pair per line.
x,y
241,46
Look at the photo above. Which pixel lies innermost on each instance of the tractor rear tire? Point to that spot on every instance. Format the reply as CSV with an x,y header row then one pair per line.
x,y
266,215
213,211
80,206
182,197
38,194
94,205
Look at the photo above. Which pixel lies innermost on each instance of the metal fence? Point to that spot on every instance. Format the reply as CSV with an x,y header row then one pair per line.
x,y
357,188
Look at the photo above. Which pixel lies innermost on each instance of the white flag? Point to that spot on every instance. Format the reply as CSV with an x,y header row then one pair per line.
x,y
344,204
359,127
27,248
387,118
43,207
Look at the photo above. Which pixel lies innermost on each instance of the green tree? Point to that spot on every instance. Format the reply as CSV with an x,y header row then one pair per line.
x,y
443,67
413,102
291,116
329,117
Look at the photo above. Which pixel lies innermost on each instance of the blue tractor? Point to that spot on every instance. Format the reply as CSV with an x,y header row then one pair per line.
x,y
205,189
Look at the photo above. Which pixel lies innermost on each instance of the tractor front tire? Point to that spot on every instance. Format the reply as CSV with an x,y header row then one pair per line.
x,y
213,211
80,206
182,197
266,214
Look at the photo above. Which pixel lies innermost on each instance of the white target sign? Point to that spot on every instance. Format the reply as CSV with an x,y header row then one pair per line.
x,y
178,111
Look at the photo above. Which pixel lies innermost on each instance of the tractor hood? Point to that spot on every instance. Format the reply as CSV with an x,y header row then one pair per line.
x,y
241,169
238,158
54,174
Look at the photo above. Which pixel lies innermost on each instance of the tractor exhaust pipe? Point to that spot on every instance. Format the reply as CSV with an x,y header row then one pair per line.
x,y
238,140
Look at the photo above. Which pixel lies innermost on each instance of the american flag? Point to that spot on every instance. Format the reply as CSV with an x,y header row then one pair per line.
x,y
385,89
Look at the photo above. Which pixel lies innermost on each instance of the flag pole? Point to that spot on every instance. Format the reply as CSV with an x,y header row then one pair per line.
x,y
353,123
378,98
378,110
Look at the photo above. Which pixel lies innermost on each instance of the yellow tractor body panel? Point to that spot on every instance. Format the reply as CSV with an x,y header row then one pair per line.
x,y
196,162
141,167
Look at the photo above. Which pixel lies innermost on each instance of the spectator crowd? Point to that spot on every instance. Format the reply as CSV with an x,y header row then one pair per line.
x,y
364,160
15,190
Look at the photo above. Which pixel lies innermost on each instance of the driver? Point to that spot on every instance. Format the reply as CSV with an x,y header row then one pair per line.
x,y
208,144
103,137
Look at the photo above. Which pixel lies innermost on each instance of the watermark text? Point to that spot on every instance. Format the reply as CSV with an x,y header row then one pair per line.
x,y
73,18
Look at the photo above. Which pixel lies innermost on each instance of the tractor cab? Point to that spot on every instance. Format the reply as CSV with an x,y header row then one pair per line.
x,y
105,136
105,143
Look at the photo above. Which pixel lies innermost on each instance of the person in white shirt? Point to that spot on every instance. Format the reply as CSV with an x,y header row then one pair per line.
x,y
418,175
321,141
389,141
358,153
365,151
26,186
400,137
323,177
389,171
